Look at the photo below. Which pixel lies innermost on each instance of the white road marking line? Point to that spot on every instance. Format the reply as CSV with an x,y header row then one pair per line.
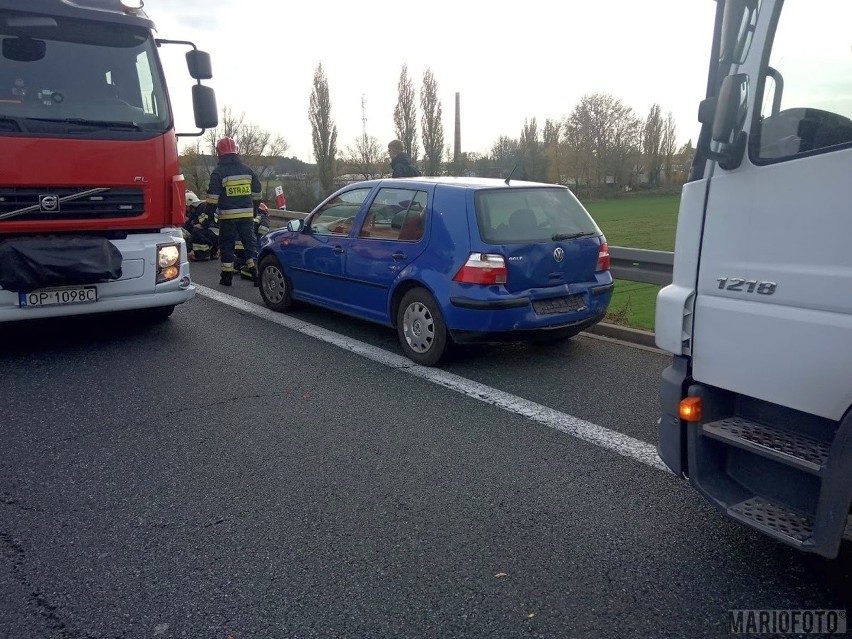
x,y
580,428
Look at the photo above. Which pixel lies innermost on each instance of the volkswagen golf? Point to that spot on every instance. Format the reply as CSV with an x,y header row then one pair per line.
x,y
445,260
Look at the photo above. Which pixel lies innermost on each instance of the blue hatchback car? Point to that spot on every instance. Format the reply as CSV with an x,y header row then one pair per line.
x,y
445,260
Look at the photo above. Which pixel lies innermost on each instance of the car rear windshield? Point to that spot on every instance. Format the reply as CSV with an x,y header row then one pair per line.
x,y
525,215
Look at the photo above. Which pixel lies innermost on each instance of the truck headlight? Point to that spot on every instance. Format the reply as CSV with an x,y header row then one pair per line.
x,y
168,257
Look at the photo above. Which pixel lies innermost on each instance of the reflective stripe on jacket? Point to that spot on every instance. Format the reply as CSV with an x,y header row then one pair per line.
x,y
234,188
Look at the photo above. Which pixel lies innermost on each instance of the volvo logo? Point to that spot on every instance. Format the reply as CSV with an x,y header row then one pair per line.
x,y
48,203
558,254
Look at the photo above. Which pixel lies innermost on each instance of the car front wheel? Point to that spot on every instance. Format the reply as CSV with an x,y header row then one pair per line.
x,y
275,288
421,329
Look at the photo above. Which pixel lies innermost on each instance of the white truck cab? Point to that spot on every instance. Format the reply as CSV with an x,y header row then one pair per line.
x,y
758,318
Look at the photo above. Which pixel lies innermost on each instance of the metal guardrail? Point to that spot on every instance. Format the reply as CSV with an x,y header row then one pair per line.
x,y
284,215
641,265
632,264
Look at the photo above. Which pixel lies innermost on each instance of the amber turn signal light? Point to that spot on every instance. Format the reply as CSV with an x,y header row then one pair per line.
x,y
690,409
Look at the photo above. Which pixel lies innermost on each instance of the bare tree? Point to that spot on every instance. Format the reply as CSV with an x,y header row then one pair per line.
x,y
405,115
668,145
431,126
196,168
605,129
551,139
681,165
505,154
259,149
366,157
652,138
578,151
534,164
324,131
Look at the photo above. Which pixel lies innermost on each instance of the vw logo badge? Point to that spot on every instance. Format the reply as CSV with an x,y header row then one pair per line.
x,y
48,203
558,254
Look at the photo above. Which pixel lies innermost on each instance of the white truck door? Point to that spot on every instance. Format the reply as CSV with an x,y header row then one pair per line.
x,y
773,311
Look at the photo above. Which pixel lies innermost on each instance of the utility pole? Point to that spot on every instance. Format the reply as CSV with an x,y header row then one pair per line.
x,y
457,145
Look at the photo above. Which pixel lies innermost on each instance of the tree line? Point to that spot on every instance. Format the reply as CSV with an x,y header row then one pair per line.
x,y
600,148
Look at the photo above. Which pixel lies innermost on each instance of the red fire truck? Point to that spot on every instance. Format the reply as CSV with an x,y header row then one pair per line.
x,y
91,193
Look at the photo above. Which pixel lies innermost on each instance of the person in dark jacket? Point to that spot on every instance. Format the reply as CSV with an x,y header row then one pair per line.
x,y
400,162
236,191
200,231
262,226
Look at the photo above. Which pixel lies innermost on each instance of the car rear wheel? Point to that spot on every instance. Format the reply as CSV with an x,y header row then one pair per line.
x,y
420,327
275,288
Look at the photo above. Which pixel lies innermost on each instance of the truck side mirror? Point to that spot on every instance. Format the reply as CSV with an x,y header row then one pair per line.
x,y
731,108
199,64
204,107
726,114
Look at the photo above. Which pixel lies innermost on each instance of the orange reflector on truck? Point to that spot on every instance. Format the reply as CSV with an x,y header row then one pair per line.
x,y
690,409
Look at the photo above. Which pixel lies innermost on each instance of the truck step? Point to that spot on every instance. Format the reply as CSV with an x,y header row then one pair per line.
x,y
768,441
774,520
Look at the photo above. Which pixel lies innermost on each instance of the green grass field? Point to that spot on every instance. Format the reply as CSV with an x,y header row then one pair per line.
x,y
633,304
646,222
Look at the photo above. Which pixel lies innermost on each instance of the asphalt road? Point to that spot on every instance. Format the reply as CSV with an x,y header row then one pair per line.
x,y
221,475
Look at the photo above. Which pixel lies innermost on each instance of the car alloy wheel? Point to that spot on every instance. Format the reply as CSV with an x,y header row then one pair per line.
x,y
420,326
274,285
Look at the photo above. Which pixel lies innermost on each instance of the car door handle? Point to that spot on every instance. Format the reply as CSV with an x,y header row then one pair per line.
x,y
399,255
339,250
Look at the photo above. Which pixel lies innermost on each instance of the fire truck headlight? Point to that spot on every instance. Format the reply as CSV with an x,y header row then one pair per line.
x,y
167,255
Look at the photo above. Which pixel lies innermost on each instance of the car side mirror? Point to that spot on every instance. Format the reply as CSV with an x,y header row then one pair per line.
x,y
295,226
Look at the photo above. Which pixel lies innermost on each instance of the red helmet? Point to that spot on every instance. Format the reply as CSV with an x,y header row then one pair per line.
x,y
226,146
262,206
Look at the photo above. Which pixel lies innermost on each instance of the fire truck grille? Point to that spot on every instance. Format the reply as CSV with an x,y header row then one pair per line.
x,y
62,203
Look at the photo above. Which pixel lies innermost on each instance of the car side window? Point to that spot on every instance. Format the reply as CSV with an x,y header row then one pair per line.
x,y
337,215
396,214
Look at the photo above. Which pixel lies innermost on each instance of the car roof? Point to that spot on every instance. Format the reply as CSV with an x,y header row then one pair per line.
x,y
463,182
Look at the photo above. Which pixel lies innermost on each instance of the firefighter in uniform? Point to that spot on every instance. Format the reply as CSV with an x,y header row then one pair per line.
x,y
186,229
200,231
261,228
236,191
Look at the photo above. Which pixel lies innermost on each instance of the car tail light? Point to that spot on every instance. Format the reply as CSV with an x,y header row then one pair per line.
x,y
483,268
603,258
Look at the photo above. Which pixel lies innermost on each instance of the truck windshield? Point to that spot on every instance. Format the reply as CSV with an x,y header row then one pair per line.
x,y
69,75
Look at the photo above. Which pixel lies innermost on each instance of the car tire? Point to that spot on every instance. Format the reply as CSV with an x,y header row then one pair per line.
x,y
421,328
275,287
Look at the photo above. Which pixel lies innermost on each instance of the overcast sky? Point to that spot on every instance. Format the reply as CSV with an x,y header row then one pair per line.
x,y
508,62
